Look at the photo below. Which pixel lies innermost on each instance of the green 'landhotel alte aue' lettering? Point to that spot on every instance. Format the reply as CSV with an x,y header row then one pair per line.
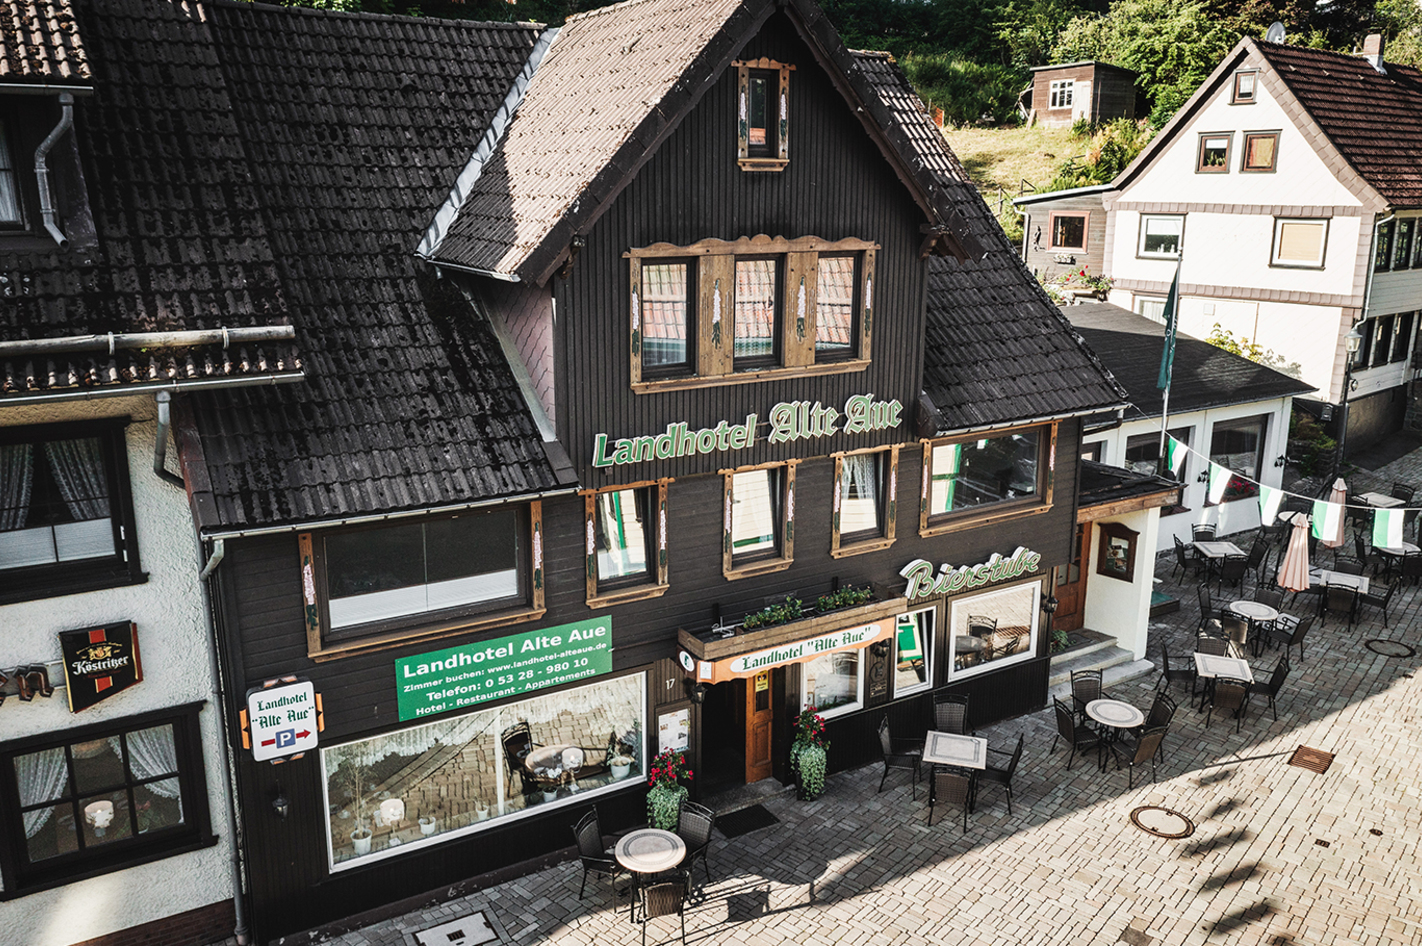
x,y
789,421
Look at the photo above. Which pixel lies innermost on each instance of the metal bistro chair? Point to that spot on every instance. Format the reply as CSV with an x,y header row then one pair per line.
x,y
1412,566
1342,600
1085,687
596,859
950,713
1202,532
1257,551
1228,695
900,754
694,826
1208,612
993,775
1169,674
1403,492
1291,636
1376,599
664,899
981,626
1274,685
954,788
1077,735
1348,566
1232,570
1137,750
518,743
1185,562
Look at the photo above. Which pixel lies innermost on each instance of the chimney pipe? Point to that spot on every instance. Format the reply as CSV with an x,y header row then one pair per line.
x,y
1373,48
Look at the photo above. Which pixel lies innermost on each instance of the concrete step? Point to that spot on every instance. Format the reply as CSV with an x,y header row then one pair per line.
x,y
1094,658
1112,675
1096,641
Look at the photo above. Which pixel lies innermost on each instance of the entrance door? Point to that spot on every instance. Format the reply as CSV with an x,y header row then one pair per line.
x,y
759,714
1071,584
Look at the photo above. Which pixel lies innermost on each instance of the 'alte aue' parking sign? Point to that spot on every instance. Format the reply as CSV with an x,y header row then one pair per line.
x,y
283,720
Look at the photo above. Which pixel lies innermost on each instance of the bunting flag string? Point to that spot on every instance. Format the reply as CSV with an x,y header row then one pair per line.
x,y
1387,528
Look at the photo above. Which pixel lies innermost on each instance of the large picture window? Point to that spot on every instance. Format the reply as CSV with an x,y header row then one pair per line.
x,y
102,798
834,683
1143,451
65,514
1238,446
759,520
627,543
969,475
424,785
913,651
993,630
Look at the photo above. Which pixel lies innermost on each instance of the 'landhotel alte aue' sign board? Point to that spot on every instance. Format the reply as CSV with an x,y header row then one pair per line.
x,y
789,421
456,677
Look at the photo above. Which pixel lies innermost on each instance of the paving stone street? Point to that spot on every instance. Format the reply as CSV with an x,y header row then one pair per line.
x,y
1279,854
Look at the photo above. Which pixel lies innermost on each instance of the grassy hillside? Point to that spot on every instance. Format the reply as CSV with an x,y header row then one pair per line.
x,y
1004,157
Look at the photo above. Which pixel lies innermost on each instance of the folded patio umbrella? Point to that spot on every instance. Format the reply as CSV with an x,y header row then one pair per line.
x,y
1293,570
1330,526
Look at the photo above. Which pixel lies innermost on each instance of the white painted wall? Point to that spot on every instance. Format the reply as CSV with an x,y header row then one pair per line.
x,y
173,639
1240,515
1122,608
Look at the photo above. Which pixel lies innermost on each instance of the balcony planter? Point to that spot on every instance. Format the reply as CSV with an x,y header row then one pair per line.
x,y
710,645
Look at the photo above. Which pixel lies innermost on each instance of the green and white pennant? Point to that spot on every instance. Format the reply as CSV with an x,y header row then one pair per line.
x,y
1219,481
1270,499
1327,518
1387,528
1175,453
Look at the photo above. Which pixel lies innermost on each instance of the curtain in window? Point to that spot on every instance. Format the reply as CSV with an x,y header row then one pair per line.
x,y
151,753
17,473
78,467
9,193
861,473
41,777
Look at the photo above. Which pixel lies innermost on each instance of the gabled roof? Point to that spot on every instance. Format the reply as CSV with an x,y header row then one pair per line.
x,y
614,83
997,350
40,45
1083,62
1204,375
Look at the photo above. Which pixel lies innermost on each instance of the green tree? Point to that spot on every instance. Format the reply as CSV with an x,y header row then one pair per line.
x,y
966,91
1401,22
1028,29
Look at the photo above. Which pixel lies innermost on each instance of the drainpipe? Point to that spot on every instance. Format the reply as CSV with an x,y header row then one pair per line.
x,y
160,446
66,122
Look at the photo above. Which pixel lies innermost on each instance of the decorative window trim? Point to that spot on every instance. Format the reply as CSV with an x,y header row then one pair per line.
x,y
1237,97
21,878
1141,252
786,558
1250,136
978,516
782,115
435,625
1275,247
841,549
637,592
1223,167
1052,243
714,341
1119,532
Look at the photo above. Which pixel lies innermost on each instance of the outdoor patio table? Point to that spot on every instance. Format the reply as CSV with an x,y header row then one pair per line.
x,y
1115,715
1394,552
648,851
1323,576
946,748
1381,500
1215,551
1210,666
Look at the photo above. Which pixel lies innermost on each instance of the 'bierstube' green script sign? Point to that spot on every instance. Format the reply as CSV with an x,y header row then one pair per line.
x,y
445,680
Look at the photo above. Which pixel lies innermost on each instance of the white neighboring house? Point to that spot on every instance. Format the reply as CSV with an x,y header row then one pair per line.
x,y
1222,406
1292,182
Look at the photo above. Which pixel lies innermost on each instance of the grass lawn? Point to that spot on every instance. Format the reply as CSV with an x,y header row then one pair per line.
x,y
1004,157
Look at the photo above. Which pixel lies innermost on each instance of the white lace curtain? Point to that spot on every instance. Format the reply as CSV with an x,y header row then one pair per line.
x,y
860,472
151,753
17,473
41,776
78,468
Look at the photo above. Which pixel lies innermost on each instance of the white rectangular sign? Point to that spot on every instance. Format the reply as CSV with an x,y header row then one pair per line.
x,y
283,720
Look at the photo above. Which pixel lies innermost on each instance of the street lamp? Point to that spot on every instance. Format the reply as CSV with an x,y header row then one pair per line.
x,y
1352,341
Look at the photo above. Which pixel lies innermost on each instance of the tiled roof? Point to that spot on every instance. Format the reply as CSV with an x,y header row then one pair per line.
x,y
1103,485
354,126
1204,375
997,350
162,254
1374,120
40,44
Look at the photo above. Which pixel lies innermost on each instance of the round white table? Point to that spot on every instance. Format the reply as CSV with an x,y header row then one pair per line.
x,y
648,851
1116,715
1255,611
1407,548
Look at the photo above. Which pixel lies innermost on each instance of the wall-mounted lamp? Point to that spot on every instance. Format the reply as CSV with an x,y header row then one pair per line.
x,y
1051,604
1352,385
279,804
1204,476
1281,460
697,692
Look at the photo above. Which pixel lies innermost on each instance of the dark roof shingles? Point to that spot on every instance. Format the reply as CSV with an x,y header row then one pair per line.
x,y
40,44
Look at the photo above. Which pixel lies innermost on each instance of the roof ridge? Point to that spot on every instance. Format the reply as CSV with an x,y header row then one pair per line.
x,y
378,17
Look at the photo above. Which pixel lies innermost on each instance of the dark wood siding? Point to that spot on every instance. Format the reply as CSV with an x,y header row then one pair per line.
x,y
1037,230
837,185
1113,93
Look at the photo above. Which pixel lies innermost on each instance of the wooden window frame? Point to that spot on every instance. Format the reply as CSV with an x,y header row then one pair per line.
x,y
1058,89
991,513
888,514
423,626
1085,216
761,566
52,579
638,310
1275,262
656,585
714,339
1223,167
1141,237
1239,98
23,878
780,107
1249,136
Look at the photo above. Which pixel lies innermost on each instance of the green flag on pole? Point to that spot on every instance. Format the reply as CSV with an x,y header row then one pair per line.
x,y
1172,326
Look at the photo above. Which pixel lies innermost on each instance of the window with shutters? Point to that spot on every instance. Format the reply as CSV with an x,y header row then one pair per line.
x,y
865,501
626,529
759,525
1299,244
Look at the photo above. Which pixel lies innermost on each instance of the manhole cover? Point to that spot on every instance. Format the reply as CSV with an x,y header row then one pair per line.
x,y
1389,648
1162,822
1315,760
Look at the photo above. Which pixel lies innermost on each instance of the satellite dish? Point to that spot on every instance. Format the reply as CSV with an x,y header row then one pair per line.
x,y
1276,33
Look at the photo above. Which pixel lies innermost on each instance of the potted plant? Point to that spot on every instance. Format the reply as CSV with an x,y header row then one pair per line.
x,y
809,754
621,765
666,794
355,773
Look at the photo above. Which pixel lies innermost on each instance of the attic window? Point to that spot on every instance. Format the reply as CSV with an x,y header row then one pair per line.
x,y
1244,85
763,115
1214,153
9,189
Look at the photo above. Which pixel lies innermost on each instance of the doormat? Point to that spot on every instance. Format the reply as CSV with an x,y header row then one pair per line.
x,y
1315,760
733,824
1162,822
1390,648
468,930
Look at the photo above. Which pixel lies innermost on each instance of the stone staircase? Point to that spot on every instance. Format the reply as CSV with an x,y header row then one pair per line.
x,y
1101,653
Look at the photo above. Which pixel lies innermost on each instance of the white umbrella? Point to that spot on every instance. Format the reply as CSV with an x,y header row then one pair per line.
x,y
1339,496
1293,570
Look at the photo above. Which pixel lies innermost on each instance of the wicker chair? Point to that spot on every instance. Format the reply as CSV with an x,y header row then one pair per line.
x,y
1077,735
950,713
1137,750
1232,570
1373,598
694,826
1085,687
664,899
953,788
1228,695
993,775
1274,685
1202,532
596,859
1169,674
1348,566
1412,566
900,754
1403,492
1216,646
1291,636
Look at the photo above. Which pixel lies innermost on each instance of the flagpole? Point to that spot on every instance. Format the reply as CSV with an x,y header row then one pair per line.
x,y
1167,361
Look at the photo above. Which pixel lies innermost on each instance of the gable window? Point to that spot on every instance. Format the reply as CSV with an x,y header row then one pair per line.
x,y
913,651
419,578
998,475
1244,88
759,522
626,543
1382,258
10,214
1261,149
763,115
734,312
1068,231
1060,93
1214,153
865,501
1161,236
1402,243
102,798
1299,243
66,521
1238,446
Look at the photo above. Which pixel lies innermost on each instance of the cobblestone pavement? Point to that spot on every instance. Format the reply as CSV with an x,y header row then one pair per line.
x,y
1280,855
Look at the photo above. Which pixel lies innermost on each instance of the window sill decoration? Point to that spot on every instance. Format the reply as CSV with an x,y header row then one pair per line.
x,y
729,640
809,754
665,797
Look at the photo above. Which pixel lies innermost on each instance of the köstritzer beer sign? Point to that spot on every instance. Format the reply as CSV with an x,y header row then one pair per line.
x,y
99,662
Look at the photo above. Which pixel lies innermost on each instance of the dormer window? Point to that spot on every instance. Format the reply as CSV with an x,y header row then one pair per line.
x,y
1244,86
10,215
762,115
